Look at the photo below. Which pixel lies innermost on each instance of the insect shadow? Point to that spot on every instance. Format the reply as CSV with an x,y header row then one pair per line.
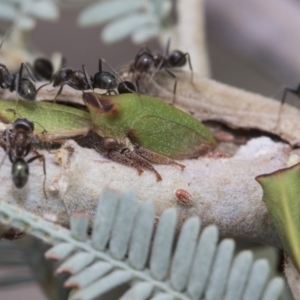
x,y
42,68
17,143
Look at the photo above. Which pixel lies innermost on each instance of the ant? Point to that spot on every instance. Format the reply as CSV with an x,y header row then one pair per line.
x,y
15,82
17,143
68,76
80,80
107,81
145,61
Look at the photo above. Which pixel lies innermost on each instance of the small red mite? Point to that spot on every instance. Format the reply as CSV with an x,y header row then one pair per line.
x,y
183,197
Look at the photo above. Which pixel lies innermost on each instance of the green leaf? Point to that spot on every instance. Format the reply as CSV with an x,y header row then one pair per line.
x,y
59,120
282,198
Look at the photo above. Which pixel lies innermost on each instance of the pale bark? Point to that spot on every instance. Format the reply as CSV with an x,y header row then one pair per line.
x,y
223,189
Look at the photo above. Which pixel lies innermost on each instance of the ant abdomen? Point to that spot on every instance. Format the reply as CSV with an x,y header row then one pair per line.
x,y
105,81
27,89
20,172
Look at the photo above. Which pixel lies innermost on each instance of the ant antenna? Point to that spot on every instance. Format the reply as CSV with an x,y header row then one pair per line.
x,y
6,34
16,113
164,56
13,111
88,80
44,129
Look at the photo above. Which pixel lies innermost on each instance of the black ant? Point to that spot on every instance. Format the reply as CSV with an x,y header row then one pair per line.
x,y
107,81
68,76
17,143
15,82
146,62
80,80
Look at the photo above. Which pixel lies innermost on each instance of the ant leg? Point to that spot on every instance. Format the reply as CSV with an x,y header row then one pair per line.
x,y
100,65
44,129
175,83
291,90
18,78
44,169
28,148
42,86
59,92
87,78
13,111
6,34
190,65
188,58
16,84
167,48
5,146
186,55
286,90
29,72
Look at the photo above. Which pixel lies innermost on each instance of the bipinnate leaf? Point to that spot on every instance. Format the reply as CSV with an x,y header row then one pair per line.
x,y
101,12
193,267
281,194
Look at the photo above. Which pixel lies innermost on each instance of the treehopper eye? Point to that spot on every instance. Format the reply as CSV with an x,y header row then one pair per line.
x,y
144,129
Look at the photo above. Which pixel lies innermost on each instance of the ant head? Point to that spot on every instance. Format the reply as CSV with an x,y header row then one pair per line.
x,y
105,81
177,59
23,124
62,75
143,62
43,68
80,81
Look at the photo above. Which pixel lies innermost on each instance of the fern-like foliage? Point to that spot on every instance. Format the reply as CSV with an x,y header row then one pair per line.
x,y
123,248
24,12
140,19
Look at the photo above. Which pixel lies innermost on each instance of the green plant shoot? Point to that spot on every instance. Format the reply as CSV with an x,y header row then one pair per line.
x,y
59,121
281,194
135,130
149,122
